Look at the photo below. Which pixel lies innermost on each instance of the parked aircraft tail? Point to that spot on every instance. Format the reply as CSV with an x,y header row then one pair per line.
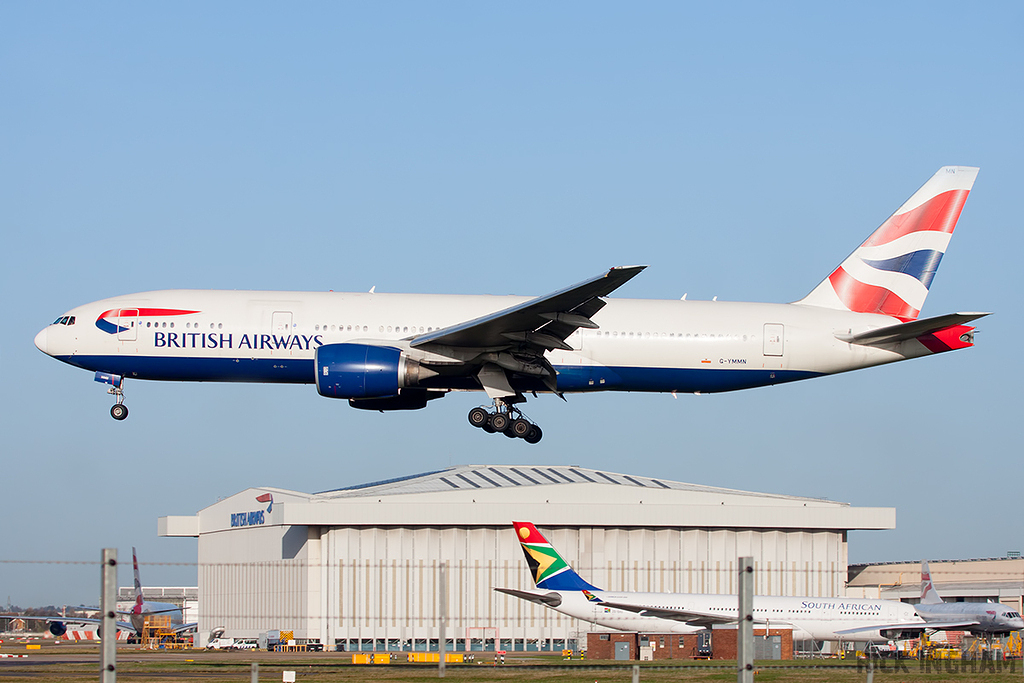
x,y
890,273
138,584
929,596
550,571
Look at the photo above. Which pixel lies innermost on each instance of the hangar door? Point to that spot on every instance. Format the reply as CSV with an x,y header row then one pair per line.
x,y
774,339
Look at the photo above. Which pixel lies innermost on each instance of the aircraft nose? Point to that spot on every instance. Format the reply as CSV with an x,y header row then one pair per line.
x,y
41,340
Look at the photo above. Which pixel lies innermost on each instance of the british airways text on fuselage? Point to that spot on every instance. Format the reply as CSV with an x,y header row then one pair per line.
x,y
218,340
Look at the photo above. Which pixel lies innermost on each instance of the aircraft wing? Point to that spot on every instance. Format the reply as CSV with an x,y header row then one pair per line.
x,y
544,322
551,599
186,628
912,330
913,626
122,625
688,616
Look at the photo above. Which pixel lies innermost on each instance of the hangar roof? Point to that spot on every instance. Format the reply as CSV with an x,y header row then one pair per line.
x,y
552,495
476,477
549,495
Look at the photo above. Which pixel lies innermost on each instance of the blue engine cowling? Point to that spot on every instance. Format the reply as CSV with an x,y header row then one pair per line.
x,y
58,628
362,371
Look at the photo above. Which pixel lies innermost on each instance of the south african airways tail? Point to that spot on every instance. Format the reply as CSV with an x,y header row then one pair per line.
x,y
549,570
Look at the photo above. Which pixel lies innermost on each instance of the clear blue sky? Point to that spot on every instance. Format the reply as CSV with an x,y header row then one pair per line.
x,y
742,150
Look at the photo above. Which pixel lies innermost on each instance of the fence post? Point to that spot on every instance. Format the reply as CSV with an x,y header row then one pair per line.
x,y
254,673
442,590
745,634
108,605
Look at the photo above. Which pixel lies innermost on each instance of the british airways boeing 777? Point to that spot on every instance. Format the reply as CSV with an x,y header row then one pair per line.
x,y
399,351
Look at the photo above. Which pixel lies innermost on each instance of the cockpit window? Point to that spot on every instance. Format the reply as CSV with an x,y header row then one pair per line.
x,y
71,320
57,321
64,320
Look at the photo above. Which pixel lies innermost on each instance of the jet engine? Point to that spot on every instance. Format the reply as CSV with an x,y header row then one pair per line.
x,y
361,371
58,628
407,399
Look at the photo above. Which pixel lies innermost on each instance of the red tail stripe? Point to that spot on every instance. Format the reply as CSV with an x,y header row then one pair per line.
x,y
527,533
864,298
940,213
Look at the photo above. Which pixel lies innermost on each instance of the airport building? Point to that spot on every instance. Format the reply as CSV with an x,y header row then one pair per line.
x,y
997,579
362,567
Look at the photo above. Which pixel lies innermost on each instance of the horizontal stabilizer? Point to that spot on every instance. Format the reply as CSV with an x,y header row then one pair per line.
x,y
551,599
911,330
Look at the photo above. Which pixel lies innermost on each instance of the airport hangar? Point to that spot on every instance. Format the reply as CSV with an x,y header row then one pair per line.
x,y
358,567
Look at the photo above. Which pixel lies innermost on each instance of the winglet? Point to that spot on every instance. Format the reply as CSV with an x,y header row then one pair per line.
x,y
549,570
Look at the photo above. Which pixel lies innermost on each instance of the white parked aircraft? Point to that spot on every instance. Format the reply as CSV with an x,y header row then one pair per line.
x,y
399,351
980,618
811,618
136,615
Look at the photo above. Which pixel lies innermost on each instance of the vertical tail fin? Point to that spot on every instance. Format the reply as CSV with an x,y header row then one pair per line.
x,y
138,583
890,273
929,596
549,570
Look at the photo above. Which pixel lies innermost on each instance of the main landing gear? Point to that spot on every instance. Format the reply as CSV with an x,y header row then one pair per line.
x,y
505,419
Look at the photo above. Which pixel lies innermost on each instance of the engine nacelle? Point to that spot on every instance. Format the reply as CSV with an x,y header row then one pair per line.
x,y
407,399
897,634
58,628
361,371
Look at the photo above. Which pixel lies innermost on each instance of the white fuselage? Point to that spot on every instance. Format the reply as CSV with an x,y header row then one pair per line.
x,y
641,345
810,618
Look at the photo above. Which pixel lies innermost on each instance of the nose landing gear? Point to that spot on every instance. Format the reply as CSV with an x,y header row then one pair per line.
x,y
119,410
506,419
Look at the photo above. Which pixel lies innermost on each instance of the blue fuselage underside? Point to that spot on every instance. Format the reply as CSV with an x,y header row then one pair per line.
x,y
572,378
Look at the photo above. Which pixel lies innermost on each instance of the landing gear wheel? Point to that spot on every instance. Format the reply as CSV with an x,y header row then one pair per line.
x,y
478,417
487,427
520,427
499,421
119,411
534,435
509,434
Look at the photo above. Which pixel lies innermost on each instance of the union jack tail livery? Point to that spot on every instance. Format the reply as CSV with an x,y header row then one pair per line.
x,y
138,609
929,596
549,570
890,273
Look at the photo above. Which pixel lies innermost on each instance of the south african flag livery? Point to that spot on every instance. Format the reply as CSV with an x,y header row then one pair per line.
x,y
549,570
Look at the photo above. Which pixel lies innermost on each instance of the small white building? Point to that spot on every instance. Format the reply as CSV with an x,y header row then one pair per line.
x,y
359,567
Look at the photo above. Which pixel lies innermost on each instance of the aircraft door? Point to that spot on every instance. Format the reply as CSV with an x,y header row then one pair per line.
x,y
774,339
281,322
127,324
